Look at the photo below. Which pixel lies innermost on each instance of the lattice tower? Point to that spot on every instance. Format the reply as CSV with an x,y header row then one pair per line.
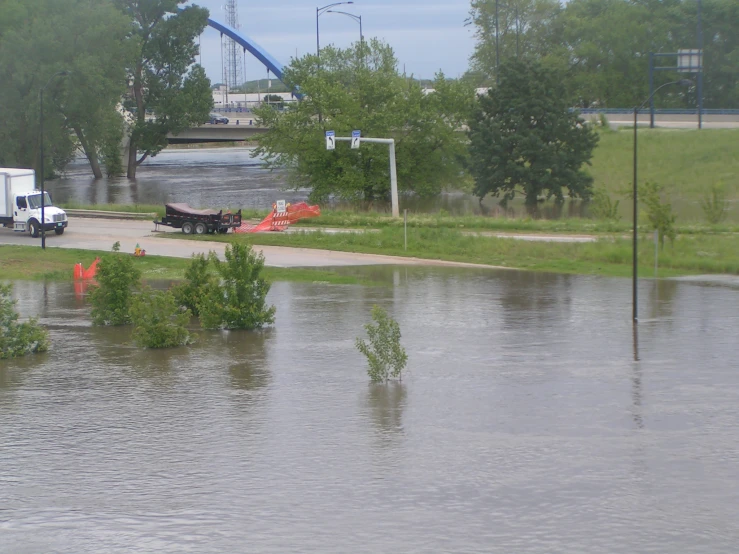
x,y
232,52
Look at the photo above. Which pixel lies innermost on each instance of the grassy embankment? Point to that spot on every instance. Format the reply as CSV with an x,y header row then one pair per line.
x,y
30,262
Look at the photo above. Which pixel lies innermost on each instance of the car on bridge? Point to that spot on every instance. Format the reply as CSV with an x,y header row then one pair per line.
x,y
216,118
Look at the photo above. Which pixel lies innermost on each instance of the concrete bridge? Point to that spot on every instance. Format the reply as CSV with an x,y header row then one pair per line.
x,y
245,130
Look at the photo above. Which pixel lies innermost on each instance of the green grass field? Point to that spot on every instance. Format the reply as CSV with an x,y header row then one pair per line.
x,y
610,255
686,161
30,262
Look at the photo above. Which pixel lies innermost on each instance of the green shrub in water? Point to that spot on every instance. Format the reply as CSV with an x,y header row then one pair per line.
x,y
117,279
198,280
18,339
237,300
384,353
158,322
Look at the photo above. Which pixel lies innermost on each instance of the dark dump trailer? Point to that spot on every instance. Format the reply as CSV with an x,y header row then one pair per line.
x,y
199,222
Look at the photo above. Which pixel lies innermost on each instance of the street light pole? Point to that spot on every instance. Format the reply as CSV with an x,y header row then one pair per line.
x,y
634,312
319,11
357,18
41,149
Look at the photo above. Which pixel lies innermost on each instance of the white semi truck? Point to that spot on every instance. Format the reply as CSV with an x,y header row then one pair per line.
x,y
20,204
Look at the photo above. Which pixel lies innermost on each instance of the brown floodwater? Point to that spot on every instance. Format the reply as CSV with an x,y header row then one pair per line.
x,y
236,178
524,423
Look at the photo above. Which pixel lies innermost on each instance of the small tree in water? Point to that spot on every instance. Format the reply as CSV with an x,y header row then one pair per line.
x,y
239,300
384,353
198,280
18,339
158,322
117,279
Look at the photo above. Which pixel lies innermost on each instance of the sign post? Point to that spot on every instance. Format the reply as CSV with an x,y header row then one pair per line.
x,y
393,171
330,140
356,138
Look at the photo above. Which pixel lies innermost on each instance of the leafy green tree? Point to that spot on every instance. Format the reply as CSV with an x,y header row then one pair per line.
x,y
162,79
39,38
714,203
238,301
198,280
18,339
525,139
158,322
658,211
525,30
385,355
360,88
117,278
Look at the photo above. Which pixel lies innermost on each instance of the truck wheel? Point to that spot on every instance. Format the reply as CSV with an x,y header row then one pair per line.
x,y
187,228
223,231
59,230
200,228
33,228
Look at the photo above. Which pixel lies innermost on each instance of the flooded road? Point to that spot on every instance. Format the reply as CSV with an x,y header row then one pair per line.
x,y
523,424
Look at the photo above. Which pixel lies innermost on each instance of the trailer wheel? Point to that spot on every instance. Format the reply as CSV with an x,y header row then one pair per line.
x,y
200,228
187,227
33,228
59,230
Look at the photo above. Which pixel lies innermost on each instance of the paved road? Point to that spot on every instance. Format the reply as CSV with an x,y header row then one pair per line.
x,y
101,234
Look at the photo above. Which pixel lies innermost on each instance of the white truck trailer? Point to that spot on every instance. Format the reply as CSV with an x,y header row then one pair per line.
x,y
20,204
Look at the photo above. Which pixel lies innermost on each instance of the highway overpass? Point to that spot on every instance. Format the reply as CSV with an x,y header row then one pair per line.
x,y
218,133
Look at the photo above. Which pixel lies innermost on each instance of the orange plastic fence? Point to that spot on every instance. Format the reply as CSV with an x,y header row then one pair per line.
x,y
80,273
279,221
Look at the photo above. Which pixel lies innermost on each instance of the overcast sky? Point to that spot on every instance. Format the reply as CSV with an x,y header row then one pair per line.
x,y
427,35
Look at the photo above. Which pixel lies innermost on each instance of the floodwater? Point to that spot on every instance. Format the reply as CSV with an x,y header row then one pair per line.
x,y
523,424
237,178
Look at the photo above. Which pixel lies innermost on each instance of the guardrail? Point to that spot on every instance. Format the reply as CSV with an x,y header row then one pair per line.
x,y
104,214
661,111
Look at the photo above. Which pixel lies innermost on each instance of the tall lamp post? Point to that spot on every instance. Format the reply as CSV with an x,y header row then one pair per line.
x,y
681,82
357,18
320,11
41,148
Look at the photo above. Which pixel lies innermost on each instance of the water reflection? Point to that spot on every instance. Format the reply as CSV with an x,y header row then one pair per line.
x,y
386,402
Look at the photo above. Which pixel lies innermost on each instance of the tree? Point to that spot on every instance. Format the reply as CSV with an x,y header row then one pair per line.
x,y
157,320
385,355
238,301
198,280
39,38
111,300
360,88
18,339
525,29
163,78
525,139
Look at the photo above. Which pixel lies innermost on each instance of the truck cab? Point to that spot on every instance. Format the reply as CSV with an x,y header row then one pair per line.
x,y
21,204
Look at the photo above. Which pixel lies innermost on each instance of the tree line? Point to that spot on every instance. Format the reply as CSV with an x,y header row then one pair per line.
x,y
602,46
103,64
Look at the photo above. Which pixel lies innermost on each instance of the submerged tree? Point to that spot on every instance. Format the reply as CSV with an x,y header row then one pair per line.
x,y
238,299
111,300
385,355
18,339
158,322
39,38
360,88
162,76
525,139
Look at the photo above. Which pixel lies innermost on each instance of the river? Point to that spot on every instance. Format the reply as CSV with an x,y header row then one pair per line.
x,y
524,423
237,178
